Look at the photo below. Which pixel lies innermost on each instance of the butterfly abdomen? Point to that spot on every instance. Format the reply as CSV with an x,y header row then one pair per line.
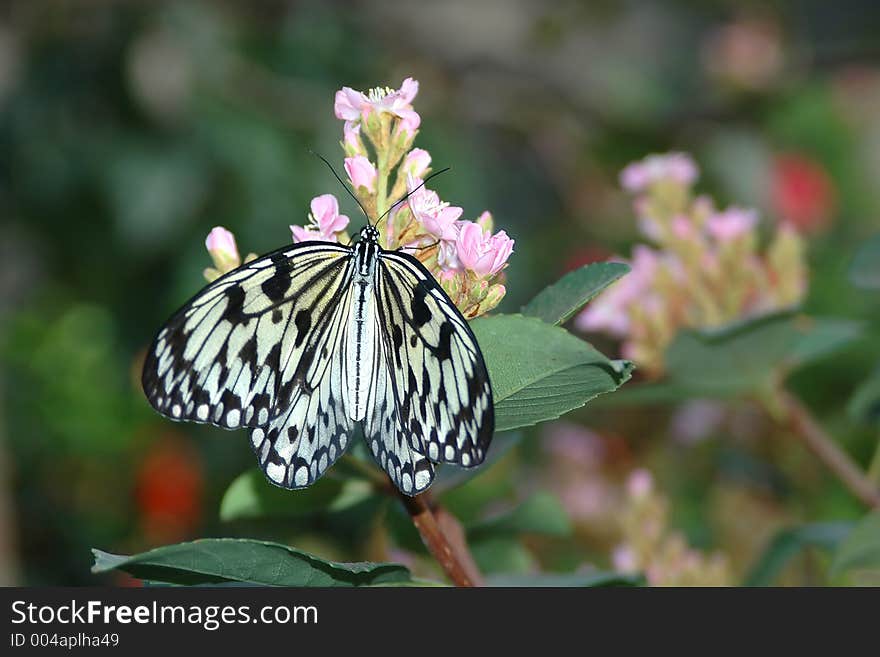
x,y
360,354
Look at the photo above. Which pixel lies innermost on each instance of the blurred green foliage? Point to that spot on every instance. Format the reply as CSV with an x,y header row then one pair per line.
x,y
128,130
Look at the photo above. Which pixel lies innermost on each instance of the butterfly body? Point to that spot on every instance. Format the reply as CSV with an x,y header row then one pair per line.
x,y
305,343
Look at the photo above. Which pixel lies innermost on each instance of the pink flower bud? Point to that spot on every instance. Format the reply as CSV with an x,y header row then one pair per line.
x,y
485,221
416,163
352,137
731,224
361,173
223,250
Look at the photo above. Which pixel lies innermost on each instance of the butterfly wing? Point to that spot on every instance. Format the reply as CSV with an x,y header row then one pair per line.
x,y
436,370
400,453
255,348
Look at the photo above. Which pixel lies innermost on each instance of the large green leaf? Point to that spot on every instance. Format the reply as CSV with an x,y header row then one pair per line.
x,y
865,269
558,302
213,560
542,513
789,543
858,557
251,496
539,371
748,356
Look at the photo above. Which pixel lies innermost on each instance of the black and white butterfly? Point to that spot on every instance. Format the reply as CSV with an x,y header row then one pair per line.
x,y
306,342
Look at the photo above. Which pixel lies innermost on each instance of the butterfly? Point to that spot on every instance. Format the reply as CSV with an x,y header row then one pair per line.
x,y
304,344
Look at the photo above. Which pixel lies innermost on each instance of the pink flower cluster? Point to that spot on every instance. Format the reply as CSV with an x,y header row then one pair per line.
x,y
707,269
382,167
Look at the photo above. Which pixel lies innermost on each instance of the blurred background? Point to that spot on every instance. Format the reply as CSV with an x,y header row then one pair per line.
x,y
129,129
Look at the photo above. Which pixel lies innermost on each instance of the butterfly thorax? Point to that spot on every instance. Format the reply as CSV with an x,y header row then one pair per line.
x,y
360,352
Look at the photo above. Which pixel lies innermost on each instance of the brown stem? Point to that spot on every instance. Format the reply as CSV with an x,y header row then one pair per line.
x,y
805,427
448,547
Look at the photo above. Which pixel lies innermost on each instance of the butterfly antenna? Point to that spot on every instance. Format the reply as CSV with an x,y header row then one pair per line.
x,y
336,175
407,195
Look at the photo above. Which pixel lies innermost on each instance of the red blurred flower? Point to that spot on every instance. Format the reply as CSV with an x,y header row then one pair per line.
x,y
801,192
169,490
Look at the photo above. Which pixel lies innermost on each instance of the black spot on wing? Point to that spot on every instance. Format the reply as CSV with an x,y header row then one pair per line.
x,y
421,314
444,342
235,304
275,287
303,321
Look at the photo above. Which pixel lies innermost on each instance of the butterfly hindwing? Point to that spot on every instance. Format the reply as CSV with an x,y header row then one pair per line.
x,y
435,365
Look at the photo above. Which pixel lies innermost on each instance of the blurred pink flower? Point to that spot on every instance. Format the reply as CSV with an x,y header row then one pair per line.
x,y
731,223
324,221
574,444
437,218
683,228
480,251
361,172
639,484
624,560
416,163
676,167
351,105
608,312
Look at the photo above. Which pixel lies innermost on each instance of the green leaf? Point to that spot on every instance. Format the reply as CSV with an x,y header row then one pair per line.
x,y
789,543
858,557
864,405
539,371
865,269
542,513
558,302
590,578
213,560
251,496
503,554
746,357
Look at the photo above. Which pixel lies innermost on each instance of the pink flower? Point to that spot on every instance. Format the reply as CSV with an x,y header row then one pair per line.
x,y
731,224
481,252
223,250
437,218
609,311
416,163
324,221
639,484
682,228
624,559
361,173
352,134
351,105
677,167
222,242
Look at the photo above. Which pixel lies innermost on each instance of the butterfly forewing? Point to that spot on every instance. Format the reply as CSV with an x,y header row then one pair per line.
x,y
276,346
